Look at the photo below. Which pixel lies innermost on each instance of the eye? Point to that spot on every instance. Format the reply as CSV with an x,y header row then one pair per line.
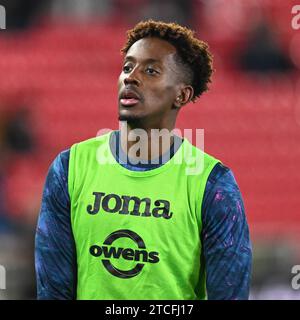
x,y
151,71
127,68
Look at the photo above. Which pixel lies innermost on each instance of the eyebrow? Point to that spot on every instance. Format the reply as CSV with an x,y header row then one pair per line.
x,y
149,60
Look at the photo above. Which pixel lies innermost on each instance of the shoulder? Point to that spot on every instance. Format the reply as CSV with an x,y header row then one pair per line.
x,y
219,173
198,161
222,198
60,164
92,142
62,160
57,176
89,150
222,179
221,188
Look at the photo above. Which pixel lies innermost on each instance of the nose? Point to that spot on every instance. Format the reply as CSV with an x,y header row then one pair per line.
x,y
131,78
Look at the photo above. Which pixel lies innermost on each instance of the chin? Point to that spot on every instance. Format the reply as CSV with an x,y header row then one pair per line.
x,y
129,117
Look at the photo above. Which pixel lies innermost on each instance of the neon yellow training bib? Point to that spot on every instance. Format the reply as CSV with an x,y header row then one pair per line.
x,y
137,233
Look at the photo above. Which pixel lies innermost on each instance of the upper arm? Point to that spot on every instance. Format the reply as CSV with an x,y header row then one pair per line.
x,y
55,255
225,236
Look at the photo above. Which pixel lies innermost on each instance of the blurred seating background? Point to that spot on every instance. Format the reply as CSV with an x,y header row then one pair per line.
x,y
59,70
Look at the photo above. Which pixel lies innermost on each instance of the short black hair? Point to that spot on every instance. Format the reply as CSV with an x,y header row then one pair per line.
x,y
193,54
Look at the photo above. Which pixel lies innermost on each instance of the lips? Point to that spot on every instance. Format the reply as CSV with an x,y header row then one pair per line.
x,y
129,102
129,97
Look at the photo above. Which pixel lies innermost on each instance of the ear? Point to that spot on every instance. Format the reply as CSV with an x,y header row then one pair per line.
x,y
184,96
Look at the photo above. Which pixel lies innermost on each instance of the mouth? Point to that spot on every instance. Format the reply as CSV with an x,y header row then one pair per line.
x,y
129,98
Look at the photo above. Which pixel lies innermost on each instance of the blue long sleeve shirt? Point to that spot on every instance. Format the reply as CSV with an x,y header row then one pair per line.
x,y
226,245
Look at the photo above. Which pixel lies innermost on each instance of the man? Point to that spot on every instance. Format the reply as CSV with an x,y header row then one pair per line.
x,y
122,223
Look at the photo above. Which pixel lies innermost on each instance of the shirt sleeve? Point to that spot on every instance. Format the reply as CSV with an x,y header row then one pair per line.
x,y
55,254
227,249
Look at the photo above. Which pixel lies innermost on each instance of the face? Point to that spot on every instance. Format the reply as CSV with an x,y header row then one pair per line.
x,y
149,83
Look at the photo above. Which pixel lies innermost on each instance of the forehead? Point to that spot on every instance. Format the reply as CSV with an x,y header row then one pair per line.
x,y
152,48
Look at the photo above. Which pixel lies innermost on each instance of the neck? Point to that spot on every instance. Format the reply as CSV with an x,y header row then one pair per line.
x,y
145,143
